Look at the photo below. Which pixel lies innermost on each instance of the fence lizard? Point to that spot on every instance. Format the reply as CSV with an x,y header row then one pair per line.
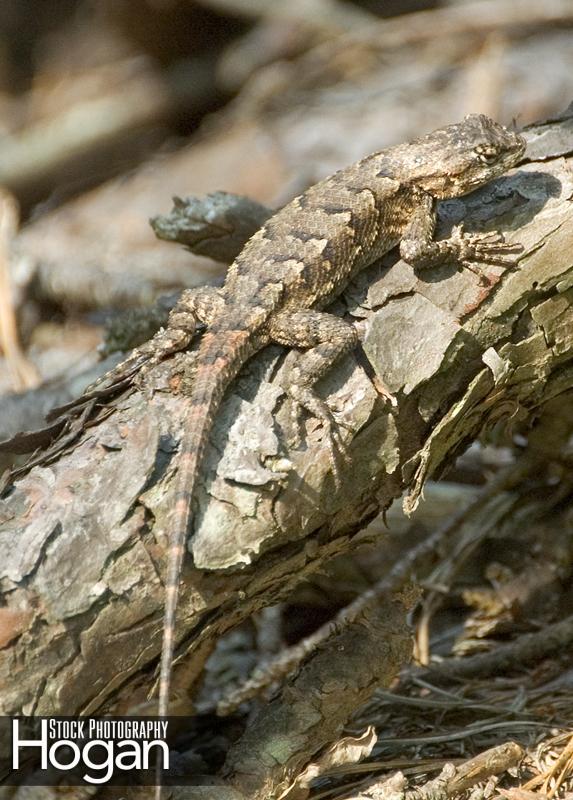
x,y
293,267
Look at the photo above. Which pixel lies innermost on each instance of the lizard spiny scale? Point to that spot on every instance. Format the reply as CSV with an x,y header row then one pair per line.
x,y
276,291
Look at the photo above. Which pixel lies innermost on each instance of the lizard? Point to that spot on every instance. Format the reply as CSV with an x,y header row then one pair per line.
x,y
292,268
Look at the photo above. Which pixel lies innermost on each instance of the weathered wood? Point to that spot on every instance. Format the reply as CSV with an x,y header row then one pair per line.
x,y
82,539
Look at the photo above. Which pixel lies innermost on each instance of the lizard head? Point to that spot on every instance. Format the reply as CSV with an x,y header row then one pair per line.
x,y
457,159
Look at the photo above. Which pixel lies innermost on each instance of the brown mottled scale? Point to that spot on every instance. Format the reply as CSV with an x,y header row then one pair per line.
x,y
314,245
298,262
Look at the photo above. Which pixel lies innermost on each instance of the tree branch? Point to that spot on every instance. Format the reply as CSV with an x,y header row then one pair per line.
x,y
82,538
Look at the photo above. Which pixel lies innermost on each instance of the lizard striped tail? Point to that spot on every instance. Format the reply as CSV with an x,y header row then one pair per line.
x,y
220,357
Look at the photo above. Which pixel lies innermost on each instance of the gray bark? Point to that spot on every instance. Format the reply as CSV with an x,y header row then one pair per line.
x,y
82,539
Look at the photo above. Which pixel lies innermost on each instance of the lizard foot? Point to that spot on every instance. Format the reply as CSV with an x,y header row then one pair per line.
x,y
194,307
337,450
305,398
165,343
484,248
384,391
143,358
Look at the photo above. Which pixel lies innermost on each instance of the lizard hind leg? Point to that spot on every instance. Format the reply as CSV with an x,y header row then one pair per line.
x,y
195,306
325,338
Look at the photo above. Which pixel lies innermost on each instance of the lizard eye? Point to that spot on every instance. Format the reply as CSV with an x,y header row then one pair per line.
x,y
487,153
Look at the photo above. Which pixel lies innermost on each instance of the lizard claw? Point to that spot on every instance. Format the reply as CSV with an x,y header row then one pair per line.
x,y
384,391
307,399
484,248
126,369
141,360
337,448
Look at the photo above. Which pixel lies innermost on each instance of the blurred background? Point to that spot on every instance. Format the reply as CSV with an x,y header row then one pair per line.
x,y
108,108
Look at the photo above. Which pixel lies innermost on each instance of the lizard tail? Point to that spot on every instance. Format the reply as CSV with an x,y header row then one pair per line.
x,y
219,359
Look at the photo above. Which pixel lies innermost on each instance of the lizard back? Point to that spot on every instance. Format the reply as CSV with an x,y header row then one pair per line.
x,y
314,245
305,255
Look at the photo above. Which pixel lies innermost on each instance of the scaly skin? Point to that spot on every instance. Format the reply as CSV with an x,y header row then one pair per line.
x,y
298,262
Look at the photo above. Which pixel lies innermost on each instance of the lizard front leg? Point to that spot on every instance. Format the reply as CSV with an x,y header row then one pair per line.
x,y
194,307
327,338
419,249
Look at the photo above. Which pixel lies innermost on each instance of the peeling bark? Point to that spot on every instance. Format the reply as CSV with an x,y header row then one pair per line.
x,y
312,708
82,539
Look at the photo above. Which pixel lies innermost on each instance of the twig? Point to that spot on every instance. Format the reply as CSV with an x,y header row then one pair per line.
x,y
312,708
481,17
24,374
39,152
527,649
422,555
452,780
559,770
